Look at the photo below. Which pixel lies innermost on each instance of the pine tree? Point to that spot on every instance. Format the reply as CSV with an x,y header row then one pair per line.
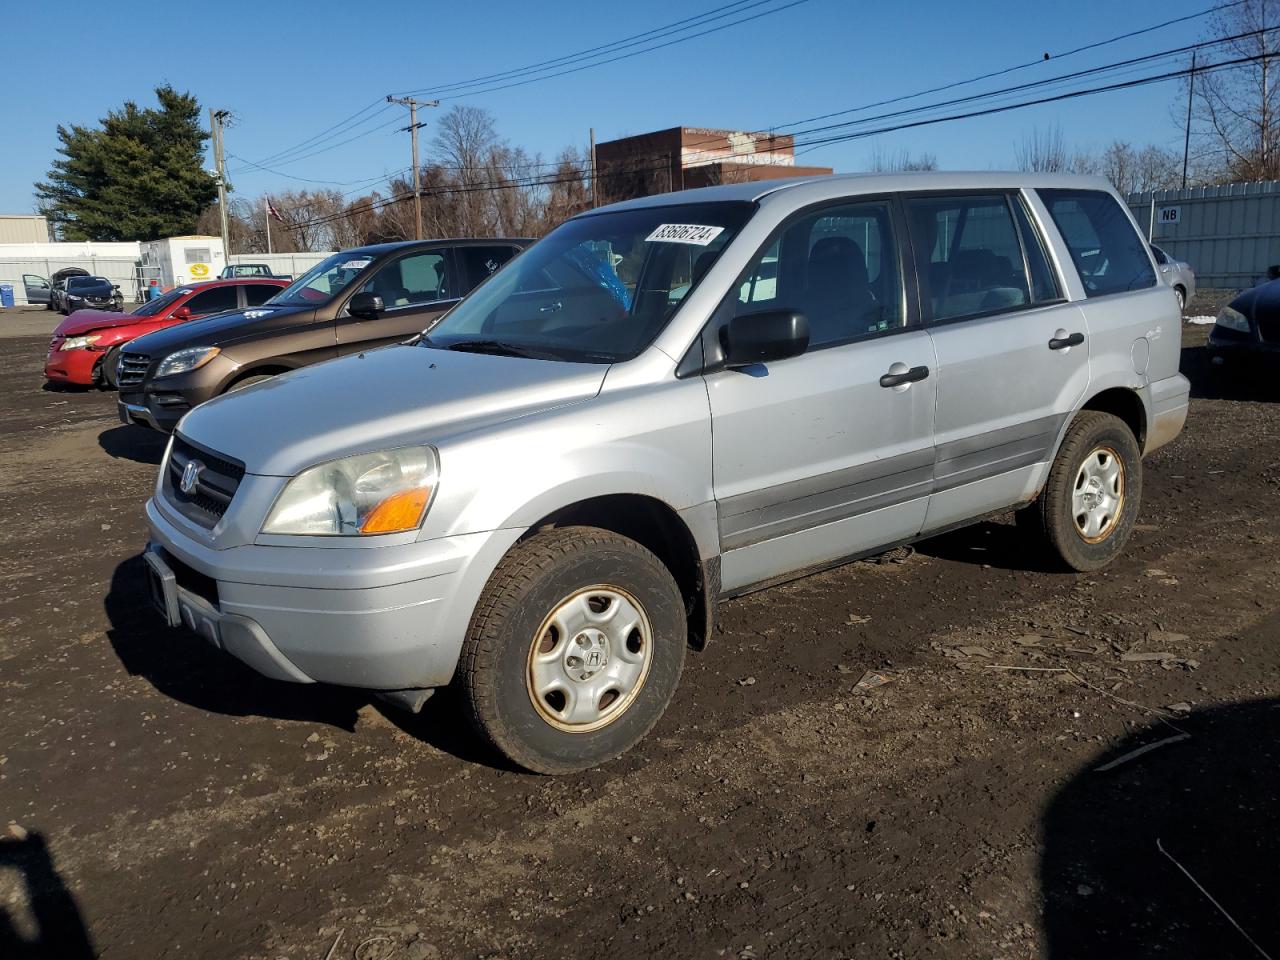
x,y
140,176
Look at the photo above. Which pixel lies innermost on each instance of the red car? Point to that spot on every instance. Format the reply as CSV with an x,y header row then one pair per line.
x,y
86,345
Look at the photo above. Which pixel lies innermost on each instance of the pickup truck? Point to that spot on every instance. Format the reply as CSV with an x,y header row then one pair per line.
x,y
241,271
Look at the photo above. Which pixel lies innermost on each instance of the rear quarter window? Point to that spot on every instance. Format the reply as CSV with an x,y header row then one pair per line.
x,y
1107,251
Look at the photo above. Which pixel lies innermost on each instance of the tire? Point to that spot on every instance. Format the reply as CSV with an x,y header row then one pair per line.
x,y
516,661
110,370
1083,466
1181,294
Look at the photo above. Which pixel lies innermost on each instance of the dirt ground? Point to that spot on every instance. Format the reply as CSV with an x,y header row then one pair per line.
x,y
163,801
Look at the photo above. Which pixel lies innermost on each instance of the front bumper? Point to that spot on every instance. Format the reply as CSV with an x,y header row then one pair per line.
x,y
72,366
1237,345
157,411
378,618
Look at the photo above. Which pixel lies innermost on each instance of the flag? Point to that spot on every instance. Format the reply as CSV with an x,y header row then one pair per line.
x,y
272,211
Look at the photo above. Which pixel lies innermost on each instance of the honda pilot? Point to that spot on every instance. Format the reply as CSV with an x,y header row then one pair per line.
x,y
662,404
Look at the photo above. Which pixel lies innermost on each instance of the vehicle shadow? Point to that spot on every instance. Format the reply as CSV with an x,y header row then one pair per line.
x,y
182,666
1132,855
991,543
1234,382
133,443
59,931
185,667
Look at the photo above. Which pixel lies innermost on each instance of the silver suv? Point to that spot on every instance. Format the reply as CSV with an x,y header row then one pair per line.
x,y
662,404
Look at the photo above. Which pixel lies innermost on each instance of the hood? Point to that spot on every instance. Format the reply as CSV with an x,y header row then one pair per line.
x,y
384,398
82,321
219,330
1262,300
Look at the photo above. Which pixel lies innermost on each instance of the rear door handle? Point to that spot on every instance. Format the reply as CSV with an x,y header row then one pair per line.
x,y
1061,343
897,379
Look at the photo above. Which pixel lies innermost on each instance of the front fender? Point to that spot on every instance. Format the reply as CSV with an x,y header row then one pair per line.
x,y
652,441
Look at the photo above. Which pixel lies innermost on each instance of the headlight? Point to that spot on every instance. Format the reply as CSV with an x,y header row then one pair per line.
x,y
185,361
73,296
80,343
1233,320
384,492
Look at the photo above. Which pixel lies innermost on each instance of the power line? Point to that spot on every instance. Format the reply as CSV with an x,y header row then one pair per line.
x,y
860,134
713,14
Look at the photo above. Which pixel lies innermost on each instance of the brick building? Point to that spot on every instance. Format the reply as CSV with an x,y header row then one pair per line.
x,y
686,157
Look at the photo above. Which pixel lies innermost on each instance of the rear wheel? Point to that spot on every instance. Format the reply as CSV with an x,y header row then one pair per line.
x,y
1090,503
1181,294
574,651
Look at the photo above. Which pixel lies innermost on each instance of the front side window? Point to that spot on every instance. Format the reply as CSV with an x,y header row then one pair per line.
x,y
968,255
410,281
212,301
1108,253
598,289
839,267
324,281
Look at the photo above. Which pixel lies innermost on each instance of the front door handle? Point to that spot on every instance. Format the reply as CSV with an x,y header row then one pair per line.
x,y
1063,340
551,307
897,378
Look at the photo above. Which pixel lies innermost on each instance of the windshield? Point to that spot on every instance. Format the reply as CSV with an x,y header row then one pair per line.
x,y
161,303
77,282
598,288
322,281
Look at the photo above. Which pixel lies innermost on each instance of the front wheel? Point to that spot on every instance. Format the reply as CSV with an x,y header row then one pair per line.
x,y
574,650
1182,298
110,372
1090,503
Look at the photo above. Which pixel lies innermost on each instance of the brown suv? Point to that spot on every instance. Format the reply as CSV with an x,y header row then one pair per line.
x,y
351,301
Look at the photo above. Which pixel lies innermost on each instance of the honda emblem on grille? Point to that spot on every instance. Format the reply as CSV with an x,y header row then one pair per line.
x,y
190,476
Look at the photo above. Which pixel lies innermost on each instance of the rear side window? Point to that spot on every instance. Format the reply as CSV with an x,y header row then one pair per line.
x,y
1107,251
968,255
478,263
212,301
259,293
1044,284
839,266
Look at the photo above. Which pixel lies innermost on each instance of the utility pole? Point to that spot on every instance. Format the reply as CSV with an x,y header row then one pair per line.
x,y
217,119
594,199
1186,139
413,126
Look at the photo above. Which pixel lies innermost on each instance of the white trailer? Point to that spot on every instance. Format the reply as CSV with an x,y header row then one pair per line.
x,y
179,260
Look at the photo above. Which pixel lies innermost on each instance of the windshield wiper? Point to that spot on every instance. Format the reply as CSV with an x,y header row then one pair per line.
x,y
499,348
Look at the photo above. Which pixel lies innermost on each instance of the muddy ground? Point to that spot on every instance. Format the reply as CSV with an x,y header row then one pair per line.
x,y
163,801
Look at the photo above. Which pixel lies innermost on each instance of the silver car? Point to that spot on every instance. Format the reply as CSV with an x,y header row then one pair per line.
x,y
662,404
1177,274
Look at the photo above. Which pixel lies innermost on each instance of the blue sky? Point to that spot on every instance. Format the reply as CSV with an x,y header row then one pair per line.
x,y
287,70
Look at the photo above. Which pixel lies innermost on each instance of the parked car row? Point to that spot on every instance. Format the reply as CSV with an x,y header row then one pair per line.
x,y
543,496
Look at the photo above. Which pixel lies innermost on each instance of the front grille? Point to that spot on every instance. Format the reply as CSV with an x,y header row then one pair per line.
x,y
217,481
133,368
1269,329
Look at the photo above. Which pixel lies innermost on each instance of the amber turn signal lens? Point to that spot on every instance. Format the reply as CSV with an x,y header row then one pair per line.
x,y
400,511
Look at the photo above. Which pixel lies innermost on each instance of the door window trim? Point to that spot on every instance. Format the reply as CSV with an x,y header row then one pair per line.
x,y
1010,196
707,343
446,253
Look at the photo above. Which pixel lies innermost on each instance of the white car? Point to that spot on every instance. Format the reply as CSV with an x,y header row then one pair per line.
x,y
1177,274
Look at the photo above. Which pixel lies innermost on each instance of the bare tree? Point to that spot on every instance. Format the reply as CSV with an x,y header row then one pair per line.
x,y
1237,109
1046,152
901,161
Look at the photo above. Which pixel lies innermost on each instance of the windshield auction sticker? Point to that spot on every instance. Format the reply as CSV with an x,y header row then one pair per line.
x,y
357,264
692,233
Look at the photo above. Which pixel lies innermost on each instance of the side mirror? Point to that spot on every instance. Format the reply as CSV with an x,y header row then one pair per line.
x,y
365,306
182,313
762,337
